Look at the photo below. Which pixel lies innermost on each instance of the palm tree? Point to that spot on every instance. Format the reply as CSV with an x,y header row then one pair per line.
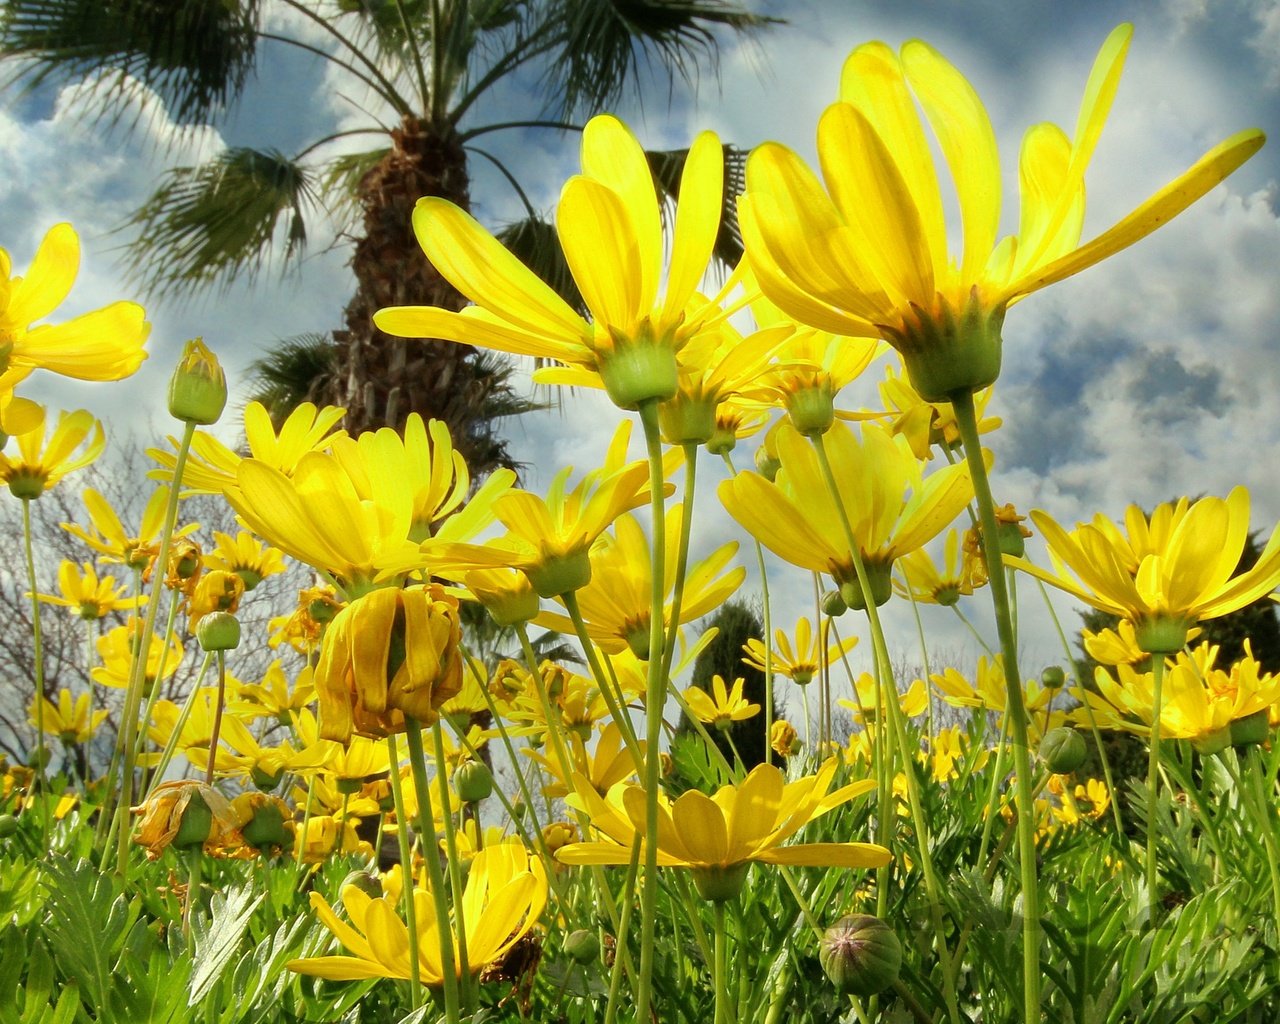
x,y
427,68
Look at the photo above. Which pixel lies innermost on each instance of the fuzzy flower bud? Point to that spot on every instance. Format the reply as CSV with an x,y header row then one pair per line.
x,y
861,955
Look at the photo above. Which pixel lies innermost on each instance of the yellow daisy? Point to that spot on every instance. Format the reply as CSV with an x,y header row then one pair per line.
x,y
868,255
505,895
1170,572
719,837
39,467
892,507
105,344
806,659
610,226
107,535
71,720
88,596
721,707
246,556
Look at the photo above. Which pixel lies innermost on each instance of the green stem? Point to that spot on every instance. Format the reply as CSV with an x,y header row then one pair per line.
x,y
1153,779
137,677
217,718
407,881
37,637
682,557
1088,710
171,744
967,421
455,866
154,695
435,875
720,970
615,978
655,694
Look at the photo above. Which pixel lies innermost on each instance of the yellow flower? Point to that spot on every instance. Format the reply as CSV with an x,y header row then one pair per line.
x,y
610,763
796,519
928,584
324,835
115,650
359,760
505,895
868,255
274,697
610,226
246,556
211,467
924,424
718,837
89,597
807,659
239,753
863,705
105,344
783,738
1168,573
305,625
107,535
1198,700
38,468
616,603
217,591
71,721
988,691
721,707
393,653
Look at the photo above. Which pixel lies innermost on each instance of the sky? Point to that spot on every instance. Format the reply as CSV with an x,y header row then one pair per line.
x,y
1150,376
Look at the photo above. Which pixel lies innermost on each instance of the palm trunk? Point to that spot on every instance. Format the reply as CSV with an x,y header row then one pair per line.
x,y
379,379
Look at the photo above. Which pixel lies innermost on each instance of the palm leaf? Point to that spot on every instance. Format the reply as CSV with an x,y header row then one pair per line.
x,y
299,369
606,42
213,223
339,183
196,54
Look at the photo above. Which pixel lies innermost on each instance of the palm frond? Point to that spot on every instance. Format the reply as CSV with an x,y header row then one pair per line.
x,y
298,369
209,224
196,55
668,165
607,42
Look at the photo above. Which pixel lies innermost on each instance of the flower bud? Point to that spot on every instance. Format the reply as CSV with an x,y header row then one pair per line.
x,y
783,738
218,631
582,946
472,782
1053,677
8,825
365,882
183,814
833,604
1063,750
198,388
861,955
268,822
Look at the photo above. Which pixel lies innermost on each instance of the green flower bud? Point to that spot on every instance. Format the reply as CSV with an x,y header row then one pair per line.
x,y
8,825
365,882
198,387
582,946
1053,677
218,631
266,829
472,782
1063,750
833,604
861,955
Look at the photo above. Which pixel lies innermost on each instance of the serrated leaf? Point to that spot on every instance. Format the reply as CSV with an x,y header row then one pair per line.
x,y
217,940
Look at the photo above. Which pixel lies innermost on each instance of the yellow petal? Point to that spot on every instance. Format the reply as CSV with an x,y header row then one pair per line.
x,y
602,252
473,326
48,280
964,132
836,855
701,826
697,221
105,344
1162,207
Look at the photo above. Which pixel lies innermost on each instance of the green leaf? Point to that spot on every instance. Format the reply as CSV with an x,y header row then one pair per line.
x,y
218,936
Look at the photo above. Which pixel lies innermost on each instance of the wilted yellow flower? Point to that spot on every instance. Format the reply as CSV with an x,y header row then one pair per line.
x,y
390,654
183,814
105,344
303,628
217,591
783,738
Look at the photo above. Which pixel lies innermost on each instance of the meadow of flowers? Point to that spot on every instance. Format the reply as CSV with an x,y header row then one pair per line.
x,y
388,825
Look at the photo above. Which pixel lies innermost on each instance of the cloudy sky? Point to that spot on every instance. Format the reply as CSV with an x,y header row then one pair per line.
x,y
1152,375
